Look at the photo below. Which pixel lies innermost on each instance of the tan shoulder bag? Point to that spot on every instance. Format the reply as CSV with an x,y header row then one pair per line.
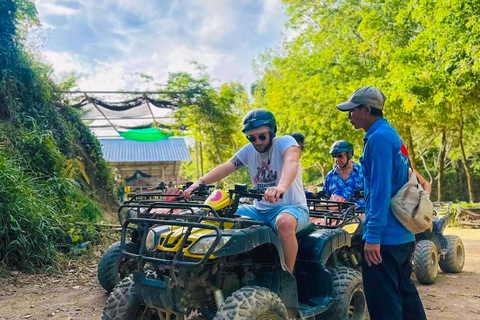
x,y
412,206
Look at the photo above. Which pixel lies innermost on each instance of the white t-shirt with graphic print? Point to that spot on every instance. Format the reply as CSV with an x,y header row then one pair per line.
x,y
266,170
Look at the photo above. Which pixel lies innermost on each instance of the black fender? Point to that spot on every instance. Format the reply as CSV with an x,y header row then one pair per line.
x,y
314,280
247,239
320,244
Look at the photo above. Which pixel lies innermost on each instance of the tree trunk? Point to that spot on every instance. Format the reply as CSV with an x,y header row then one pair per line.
x,y
216,145
466,167
201,158
196,159
430,178
411,148
441,164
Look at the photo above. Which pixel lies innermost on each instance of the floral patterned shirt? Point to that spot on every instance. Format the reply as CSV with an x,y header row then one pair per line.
x,y
335,185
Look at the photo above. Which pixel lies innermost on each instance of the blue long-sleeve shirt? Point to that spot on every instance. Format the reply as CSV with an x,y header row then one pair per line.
x,y
385,169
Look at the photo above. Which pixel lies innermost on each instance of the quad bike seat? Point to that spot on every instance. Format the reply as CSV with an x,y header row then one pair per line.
x,y
309,228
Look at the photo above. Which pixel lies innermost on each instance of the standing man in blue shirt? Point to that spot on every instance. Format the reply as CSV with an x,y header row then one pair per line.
x,y
386,270
346,177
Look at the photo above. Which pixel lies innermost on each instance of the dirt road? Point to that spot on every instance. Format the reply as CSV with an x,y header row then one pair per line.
x,y
77,295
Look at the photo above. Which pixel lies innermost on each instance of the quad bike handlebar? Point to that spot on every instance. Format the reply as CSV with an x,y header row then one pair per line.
x,y
242,191
254,193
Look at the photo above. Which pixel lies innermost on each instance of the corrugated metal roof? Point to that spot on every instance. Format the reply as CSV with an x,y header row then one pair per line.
x,y
121,150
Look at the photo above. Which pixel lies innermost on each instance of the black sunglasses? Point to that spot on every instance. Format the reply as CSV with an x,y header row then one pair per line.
x,y
337,155
262,137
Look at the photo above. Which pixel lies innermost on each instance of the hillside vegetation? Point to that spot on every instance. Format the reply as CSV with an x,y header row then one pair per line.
x,y
52,175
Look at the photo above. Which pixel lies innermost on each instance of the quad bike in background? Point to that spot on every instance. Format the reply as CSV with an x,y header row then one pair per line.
x,y
434,249
337,212
114,266
329,214
217,265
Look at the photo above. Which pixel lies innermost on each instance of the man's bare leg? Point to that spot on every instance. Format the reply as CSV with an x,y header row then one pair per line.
x,y
286,226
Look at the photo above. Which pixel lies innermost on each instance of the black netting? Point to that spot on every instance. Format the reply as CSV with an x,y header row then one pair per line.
x,y
106,112
125,105
82,103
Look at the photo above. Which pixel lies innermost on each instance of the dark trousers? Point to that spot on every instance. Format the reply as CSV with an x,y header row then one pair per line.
x,y
390,293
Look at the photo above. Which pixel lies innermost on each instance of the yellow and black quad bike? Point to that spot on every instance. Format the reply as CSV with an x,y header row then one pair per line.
x,y
114,266
213,264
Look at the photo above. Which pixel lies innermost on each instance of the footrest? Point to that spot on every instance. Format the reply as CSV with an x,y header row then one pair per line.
x,y
316,306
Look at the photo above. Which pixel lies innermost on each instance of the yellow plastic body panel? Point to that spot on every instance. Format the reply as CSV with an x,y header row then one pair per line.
x,y
350,228
171,241
219,199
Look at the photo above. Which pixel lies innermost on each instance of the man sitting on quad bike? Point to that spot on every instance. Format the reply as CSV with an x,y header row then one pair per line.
x,y
343,180
274,165
346,177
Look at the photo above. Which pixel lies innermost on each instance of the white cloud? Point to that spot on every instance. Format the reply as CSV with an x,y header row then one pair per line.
x,y
102,76
145,9
272,13
161,39
217,20
50,7
62,62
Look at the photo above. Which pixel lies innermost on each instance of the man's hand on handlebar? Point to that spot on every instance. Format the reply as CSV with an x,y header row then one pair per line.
x,y
190,190
273,194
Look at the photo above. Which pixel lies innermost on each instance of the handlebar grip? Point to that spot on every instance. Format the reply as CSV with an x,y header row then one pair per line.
x,y
260,196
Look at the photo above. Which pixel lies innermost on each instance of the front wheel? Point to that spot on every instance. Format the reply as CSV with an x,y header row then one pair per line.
x,y
252,303
425,261
114,266
125,302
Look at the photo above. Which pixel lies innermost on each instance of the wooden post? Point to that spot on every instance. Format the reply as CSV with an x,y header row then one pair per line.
x,y
151,112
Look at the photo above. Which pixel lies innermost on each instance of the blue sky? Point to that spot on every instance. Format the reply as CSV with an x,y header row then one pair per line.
x,y
106,42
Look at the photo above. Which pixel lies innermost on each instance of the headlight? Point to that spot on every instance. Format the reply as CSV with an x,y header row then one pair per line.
x,y
203,244
131,214
151,240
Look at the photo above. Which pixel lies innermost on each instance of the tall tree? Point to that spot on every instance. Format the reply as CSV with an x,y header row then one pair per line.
x,y
423,54
213,115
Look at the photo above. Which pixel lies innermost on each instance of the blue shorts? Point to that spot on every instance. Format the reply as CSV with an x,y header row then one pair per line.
x,y
269,216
